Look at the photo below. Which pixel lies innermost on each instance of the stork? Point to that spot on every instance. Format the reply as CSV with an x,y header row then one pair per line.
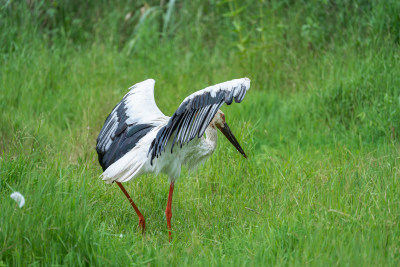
x,y
137,138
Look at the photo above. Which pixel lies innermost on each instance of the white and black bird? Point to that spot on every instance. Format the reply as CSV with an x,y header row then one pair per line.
x,y
138,138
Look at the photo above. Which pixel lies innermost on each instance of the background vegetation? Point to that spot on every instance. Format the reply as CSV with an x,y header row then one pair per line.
x,y
320,125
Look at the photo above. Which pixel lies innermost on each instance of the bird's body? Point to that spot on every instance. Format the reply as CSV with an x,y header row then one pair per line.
x,y
136,162
137,138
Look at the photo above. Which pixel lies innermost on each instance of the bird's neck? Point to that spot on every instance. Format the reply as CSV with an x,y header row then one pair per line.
x,y
212,136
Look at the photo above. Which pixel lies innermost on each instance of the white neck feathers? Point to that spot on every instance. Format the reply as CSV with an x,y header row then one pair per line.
x,y
212,136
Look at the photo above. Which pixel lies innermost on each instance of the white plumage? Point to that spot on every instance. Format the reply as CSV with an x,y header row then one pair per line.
x,y
141,109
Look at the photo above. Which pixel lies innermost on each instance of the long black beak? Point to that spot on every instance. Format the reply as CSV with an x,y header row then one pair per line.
x,y
229,135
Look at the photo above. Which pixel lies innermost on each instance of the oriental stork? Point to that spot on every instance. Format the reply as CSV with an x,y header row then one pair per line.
x,y
138,138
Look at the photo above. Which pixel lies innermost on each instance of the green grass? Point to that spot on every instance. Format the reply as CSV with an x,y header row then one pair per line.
x,y
320,126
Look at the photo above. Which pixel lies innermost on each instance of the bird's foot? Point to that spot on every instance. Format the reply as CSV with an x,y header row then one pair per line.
x,y
142,224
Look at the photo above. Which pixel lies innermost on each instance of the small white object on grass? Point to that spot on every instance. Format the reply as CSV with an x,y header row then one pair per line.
x,y
121,236
19,198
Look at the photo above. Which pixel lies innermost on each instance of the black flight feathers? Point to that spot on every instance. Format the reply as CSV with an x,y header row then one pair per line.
x,y
192,118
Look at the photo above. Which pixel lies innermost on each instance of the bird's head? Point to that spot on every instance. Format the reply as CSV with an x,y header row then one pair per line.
x,y
219,122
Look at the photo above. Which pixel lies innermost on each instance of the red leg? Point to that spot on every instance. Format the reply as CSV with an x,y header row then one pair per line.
x,y
168,212
141,218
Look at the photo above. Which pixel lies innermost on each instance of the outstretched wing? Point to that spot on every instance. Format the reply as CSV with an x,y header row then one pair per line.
x,y
195,113
128,122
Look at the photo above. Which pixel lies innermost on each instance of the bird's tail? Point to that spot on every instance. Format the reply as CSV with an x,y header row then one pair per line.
x,y
123,170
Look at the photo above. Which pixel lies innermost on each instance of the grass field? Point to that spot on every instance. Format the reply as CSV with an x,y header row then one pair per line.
x,y
320,125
